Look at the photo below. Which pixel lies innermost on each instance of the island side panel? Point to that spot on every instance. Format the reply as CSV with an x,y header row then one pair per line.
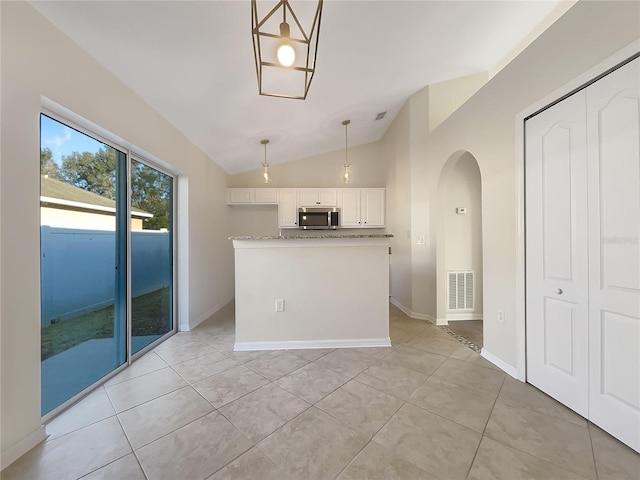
x,y
335,293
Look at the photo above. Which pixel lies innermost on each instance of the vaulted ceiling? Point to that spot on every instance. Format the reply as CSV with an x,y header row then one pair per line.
x,y
192,61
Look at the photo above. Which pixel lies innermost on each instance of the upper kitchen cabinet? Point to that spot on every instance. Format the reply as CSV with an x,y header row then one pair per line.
x,y
240,196
248,196
287,208
267,196
361,207
317,197
372,207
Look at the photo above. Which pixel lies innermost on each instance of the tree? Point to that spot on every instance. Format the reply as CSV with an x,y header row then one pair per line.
x,y
96,172
151,192
47,166
92,172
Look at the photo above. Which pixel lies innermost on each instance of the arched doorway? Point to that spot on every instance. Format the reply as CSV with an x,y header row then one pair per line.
x,y
459,247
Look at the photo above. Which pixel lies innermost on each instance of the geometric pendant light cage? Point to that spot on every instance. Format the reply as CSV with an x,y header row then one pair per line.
x,y
285,46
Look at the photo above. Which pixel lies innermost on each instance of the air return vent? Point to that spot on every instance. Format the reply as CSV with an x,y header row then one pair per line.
x,y
461,290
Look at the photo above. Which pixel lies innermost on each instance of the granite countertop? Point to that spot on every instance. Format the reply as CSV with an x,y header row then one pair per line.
x,y
313,236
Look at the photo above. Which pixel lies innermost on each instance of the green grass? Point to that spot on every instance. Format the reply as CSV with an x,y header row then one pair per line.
x,y
150,316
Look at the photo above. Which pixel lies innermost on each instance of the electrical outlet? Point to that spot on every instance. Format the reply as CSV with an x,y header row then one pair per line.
x,y
501,316
280,305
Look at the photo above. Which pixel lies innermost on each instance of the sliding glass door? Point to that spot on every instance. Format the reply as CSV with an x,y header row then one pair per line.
x,y
151,255
106,259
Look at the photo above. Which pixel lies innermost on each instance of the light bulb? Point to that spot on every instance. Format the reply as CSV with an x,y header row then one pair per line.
x,y
286,55
347,174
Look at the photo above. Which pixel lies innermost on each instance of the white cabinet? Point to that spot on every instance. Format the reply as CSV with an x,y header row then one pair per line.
x,y
267,195
349,203
321,197
248,196
240,196
288,208
361,207
372,207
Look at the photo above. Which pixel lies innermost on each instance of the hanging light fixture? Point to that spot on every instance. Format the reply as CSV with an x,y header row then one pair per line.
x,y
285,61
346,175
265,166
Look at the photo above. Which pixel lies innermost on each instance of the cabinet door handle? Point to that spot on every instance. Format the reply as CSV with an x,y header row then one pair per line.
x,y
559,291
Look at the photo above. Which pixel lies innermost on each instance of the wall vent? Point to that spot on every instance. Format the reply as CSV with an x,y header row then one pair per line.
x,y
461,289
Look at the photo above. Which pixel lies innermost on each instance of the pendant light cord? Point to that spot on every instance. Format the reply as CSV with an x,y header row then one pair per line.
x,y
346,142
346,174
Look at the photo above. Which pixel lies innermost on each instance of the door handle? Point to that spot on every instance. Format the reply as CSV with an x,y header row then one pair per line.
x,y
559,291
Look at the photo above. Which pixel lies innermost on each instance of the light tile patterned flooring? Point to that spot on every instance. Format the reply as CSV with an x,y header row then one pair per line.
x,y
425,408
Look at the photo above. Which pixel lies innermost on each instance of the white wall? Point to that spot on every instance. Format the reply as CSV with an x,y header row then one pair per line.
x,y
398,198
485,126
343,302
446,97
39,61
368,167
459,237
253,220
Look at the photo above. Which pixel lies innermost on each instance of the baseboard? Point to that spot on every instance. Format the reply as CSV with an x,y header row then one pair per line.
x,y
502,365
453,317
185,328
309,344
410,313
23,446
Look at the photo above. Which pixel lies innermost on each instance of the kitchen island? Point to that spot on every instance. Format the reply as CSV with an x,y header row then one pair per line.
x,y
312,291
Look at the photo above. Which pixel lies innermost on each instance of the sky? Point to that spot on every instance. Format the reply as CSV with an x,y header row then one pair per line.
x,y
63,140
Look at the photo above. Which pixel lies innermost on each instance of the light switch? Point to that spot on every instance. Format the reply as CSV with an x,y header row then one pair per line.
x,y
461,210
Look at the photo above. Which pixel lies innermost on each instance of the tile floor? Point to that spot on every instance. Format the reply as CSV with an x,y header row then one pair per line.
x,y
427,407
469,329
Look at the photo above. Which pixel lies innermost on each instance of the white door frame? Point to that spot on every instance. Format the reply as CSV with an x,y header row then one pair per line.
x,y
577,83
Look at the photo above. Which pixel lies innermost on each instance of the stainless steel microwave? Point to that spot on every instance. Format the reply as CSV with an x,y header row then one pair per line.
x,y
318,218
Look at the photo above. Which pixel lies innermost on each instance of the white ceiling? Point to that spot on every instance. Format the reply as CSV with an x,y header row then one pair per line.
x,y
193,63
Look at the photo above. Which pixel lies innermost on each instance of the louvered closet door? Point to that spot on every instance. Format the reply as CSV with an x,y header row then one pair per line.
x,y
556,252
613,132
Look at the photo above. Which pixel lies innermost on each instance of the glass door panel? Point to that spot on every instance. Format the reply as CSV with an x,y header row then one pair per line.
x,y
151,255
83,261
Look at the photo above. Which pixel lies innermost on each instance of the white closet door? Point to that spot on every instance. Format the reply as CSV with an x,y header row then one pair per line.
x,y
556,260
613,126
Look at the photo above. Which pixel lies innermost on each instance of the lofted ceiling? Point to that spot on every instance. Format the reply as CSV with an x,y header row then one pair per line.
x,y
192,61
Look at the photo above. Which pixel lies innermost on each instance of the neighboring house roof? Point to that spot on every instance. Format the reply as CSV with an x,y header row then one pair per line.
x,y
56,192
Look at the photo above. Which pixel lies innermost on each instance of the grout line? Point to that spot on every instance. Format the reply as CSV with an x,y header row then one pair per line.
x,y
485,427
593,452
133,450
563,467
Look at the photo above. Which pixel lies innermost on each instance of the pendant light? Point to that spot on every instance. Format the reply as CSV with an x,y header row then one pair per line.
x,y
346,175
265,166
285,46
